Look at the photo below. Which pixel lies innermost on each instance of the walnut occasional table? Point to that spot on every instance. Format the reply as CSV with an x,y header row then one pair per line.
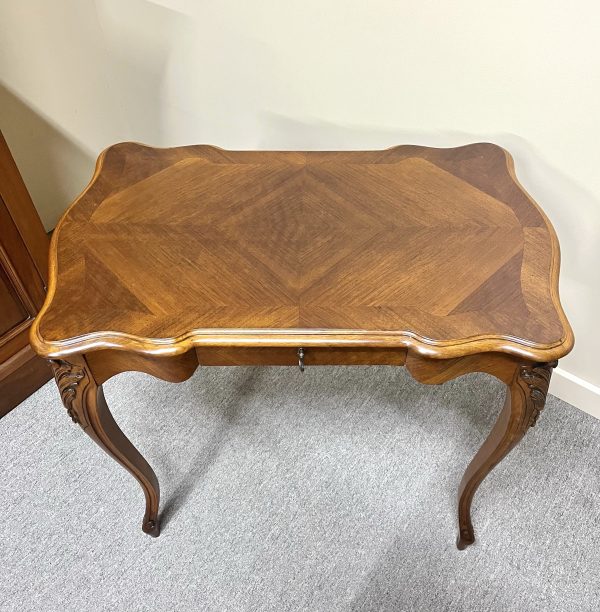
x,y
435,259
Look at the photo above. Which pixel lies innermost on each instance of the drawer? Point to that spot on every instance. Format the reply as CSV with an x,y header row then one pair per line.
x,y
288,356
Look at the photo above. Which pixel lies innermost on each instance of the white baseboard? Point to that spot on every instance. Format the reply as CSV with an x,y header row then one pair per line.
x,y
576,391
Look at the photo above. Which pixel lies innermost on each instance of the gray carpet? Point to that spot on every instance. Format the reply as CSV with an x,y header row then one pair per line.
x,y
331,490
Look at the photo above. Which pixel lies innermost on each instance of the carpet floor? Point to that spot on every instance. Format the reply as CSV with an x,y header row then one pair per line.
x,y
324,491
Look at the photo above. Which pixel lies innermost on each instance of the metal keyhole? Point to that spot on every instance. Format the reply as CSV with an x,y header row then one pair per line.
x,y
301,359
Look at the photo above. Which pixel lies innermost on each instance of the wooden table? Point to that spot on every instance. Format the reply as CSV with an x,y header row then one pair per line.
x,y
436,259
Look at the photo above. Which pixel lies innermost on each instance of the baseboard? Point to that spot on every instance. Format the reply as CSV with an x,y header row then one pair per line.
x,y
576,391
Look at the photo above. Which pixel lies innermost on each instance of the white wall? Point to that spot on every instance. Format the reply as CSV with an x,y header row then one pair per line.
x,y
78,75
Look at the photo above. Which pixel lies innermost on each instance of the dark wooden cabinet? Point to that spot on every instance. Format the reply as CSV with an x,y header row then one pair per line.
x,y
23,278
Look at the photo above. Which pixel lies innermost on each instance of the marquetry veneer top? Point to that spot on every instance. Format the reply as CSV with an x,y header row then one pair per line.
x,y
437,250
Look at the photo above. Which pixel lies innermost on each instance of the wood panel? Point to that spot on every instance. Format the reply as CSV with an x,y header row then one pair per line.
x,y
20,376
23,273
12,309
22,211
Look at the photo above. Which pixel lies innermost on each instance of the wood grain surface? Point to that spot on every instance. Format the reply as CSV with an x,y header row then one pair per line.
x,y
439,251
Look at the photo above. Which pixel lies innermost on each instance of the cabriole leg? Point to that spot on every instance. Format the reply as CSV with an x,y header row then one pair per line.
x,y
525,399
85,404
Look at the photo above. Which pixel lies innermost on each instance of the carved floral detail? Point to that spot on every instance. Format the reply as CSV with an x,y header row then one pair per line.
x,y
536,380
68,377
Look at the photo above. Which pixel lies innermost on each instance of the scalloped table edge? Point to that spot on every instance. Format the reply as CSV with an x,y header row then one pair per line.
x,y
418,343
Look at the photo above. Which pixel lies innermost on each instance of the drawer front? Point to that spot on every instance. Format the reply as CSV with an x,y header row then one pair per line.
x,y
288,356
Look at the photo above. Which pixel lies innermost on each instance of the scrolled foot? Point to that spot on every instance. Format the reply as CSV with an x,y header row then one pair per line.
x,y
465,538
152,528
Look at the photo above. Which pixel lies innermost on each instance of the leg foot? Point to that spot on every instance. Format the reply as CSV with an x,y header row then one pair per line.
x,y
465,538
525,399
152,528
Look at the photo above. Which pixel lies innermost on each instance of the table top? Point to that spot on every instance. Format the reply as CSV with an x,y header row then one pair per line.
x,y
438,250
